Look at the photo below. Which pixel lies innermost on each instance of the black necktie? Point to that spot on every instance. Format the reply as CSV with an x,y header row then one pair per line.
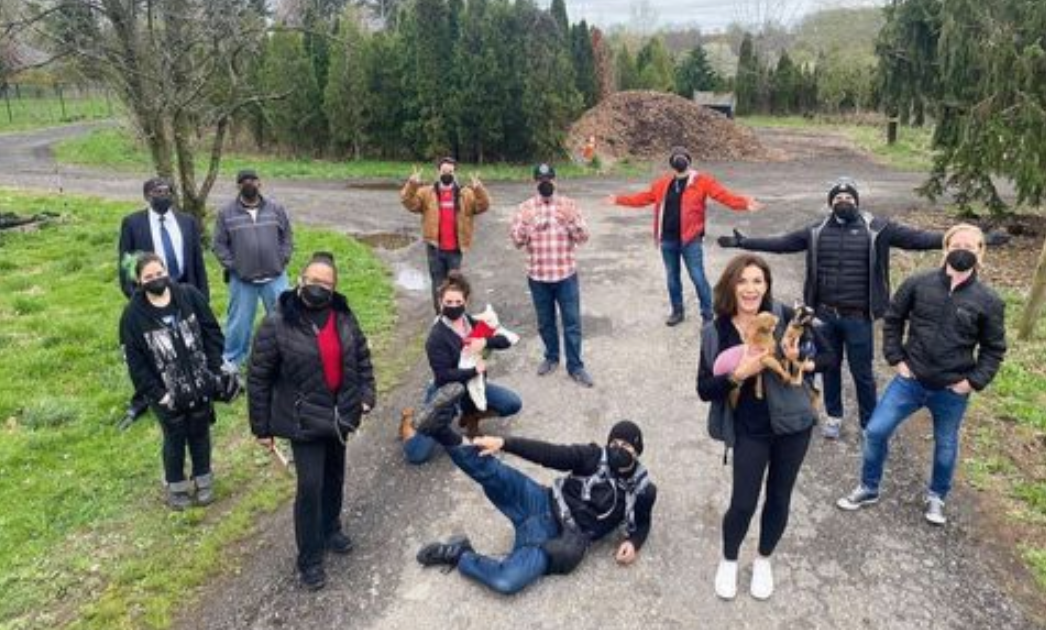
x,y
173,270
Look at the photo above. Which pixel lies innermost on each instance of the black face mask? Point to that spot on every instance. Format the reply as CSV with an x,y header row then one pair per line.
x,y
161,204
446,179
249,192
453,313
316,296
157,286
679,163
545,189
845,211
621,460
961,260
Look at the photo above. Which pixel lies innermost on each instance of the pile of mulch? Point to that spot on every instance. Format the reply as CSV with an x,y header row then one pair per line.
x,y
645,125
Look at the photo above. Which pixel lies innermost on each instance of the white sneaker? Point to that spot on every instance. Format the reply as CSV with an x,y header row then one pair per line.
x,y
935,510
762,578
726,579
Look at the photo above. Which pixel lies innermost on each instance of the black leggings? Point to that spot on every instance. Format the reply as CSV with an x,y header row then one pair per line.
x,y
784,456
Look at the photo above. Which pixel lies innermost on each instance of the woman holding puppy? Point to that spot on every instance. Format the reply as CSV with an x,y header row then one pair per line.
x,y
768,427
456,335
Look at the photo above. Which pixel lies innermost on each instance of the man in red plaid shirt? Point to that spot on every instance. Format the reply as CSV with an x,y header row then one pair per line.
x,y
549,226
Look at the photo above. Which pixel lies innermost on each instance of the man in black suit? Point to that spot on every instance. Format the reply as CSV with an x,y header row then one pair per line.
x,y
172,235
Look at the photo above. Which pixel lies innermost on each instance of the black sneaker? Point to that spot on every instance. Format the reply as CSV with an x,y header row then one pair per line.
x,y
675,318
438,414
339,543
313,578
448,553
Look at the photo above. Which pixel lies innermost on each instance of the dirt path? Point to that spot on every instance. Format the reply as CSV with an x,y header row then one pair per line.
x,y
881,568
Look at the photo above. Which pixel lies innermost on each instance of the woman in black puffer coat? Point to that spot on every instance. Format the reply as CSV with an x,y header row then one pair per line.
x,y
311,381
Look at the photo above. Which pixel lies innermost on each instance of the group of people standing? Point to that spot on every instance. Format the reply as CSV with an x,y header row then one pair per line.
x,y
310,378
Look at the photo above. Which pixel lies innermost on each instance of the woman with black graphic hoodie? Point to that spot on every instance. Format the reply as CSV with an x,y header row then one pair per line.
x,y
173,345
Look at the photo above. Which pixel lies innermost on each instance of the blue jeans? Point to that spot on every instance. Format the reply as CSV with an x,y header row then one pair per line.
x,y
903,397
500,400
855,336
566,294
672,252
523,501
243,305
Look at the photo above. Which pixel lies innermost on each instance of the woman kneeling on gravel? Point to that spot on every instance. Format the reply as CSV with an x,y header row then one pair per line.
x,y
766,421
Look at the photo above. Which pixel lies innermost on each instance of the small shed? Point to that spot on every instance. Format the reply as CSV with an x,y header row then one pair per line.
x,y
722,102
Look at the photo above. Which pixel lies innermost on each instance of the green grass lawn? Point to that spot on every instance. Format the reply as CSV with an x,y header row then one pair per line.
x,y
116,148
912,152
20,114
84,538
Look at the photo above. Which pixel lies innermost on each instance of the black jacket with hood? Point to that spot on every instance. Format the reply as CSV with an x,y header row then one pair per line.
x,y
181,360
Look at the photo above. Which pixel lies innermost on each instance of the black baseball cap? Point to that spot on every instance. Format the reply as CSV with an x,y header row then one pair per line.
x,y
247,173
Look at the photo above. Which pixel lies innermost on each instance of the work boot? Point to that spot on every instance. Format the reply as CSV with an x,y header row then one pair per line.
x,y
313,577
204,489
470,422
438,414
407,424
675,318
178,495
339,543
448,553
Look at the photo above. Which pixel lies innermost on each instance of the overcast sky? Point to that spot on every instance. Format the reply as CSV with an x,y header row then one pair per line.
x,y
709,15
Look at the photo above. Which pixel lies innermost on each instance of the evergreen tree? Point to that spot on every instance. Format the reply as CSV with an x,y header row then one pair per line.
x,y
343,98
550,100
295,117
625,69
425,34
747,80
695,74
584,60
786,84
384,109
656,71
559,14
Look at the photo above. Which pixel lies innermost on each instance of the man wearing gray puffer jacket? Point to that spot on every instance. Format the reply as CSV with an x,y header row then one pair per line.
x,y
253,242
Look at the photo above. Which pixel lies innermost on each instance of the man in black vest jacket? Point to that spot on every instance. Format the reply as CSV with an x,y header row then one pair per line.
x,y
848,284
173,236
607,487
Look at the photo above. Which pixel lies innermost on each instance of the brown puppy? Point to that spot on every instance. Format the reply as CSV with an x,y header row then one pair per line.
x,y
760,336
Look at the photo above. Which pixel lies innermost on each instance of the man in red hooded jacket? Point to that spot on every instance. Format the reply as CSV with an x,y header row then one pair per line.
x,y
679,200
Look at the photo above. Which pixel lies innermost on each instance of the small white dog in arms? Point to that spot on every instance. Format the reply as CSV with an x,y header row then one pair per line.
x,y
487,326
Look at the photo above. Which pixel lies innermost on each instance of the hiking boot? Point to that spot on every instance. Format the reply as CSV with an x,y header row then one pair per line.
x,y
831,428
439,413
547,367
448,553
470,422
675,318
857,499
726,579
762,578
313,577
204,489
582,378
935,510
178,498
339,543
406,430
